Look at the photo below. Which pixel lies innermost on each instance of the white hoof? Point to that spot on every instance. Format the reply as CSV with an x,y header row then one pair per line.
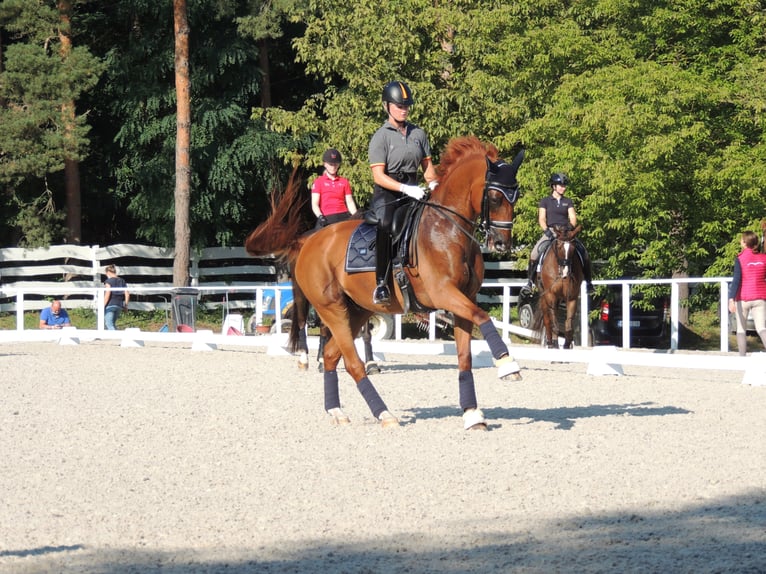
x,y
387,420
339,417
303,361
508,367
474,419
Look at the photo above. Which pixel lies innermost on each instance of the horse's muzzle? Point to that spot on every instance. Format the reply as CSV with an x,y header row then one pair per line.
x,y
499,245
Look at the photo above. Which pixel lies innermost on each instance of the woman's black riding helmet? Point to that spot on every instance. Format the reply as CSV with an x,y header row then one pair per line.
x,y
559,179
398,93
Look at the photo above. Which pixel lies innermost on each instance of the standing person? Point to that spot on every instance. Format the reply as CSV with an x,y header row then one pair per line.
x,y
54,317
397,149
556,209
116,298
747,291
331,198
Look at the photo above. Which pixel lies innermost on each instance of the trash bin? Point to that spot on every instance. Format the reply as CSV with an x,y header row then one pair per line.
x,y
185,309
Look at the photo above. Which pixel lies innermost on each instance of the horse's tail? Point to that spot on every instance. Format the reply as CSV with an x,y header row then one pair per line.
x,y
280,234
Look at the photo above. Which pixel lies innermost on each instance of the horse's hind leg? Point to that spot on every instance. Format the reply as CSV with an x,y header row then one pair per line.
x,y
303,347
324,334
331,357
341,344
370,365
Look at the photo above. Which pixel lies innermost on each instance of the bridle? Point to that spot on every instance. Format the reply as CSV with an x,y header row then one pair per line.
x,y
500,176
493,180
565,262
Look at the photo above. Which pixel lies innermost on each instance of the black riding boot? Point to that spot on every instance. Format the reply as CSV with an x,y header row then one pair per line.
x,y
588,272
531,269
382,295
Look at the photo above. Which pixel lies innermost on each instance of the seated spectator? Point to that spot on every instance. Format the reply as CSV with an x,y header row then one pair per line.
x,y
54,317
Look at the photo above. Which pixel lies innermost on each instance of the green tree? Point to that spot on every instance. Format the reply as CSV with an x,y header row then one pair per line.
x,y
234,160
653,108
44,75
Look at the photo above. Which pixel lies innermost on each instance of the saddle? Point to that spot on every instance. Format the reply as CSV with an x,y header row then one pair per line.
x,y
360,252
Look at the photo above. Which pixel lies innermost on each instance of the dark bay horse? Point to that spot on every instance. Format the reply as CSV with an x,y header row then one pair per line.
x,y
559,280
445,269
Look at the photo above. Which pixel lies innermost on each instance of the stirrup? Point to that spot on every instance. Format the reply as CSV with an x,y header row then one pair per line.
x,y
381,295
527,290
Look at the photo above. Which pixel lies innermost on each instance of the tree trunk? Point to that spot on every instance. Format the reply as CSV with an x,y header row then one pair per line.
x,y
183,145
68,117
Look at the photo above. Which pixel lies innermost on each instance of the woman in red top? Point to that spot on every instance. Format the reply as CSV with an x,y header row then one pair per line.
x,y
747,291
331,199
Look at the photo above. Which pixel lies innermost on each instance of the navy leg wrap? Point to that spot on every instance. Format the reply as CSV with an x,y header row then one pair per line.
x,y
371,397
496,345
467,390
331,395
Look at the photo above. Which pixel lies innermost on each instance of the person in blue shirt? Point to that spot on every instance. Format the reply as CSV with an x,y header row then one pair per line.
x,y
54,317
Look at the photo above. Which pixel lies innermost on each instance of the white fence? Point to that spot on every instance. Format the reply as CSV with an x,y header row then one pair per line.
x,y
230,277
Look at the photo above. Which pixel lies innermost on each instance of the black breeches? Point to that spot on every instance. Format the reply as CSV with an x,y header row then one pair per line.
x,y
383,204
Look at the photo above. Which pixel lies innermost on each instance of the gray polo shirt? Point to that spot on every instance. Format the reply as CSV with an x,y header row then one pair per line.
x,y
399,153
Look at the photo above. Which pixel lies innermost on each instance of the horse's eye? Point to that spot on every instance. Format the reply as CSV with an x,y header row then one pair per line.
x,y
495,199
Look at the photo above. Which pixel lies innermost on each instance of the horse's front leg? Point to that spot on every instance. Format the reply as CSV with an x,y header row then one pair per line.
x,y
473,418
551,329
452,299
569,325
369,359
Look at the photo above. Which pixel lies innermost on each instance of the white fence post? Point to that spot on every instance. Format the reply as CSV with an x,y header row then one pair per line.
x,y
20,311
724,304
674,305
99,296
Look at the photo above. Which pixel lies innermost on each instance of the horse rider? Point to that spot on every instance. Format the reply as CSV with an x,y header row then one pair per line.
x,y
397,149
556,209
331,198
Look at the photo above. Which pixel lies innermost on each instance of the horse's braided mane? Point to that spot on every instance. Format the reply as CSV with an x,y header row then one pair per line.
x,y
461,147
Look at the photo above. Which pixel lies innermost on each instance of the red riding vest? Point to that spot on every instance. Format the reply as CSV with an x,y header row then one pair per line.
x,y
753,267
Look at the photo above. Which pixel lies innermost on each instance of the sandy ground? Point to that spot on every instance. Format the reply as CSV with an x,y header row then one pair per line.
x,y
164,459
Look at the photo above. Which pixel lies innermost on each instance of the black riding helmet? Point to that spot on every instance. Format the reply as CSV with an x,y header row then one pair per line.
x,y
559,179
398,93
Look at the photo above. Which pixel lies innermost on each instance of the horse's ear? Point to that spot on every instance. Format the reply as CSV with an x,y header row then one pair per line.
x,y
516,163
490,165
576,230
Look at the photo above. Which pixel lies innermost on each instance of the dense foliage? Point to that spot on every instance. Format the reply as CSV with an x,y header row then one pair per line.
x,y
655,109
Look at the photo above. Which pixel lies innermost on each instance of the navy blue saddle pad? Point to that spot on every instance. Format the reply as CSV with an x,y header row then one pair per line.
x,y
360,254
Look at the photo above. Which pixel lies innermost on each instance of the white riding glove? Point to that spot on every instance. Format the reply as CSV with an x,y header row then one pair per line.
x,y
414,191
433,184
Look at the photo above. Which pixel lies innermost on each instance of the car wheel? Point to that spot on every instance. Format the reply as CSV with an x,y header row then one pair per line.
x,y
381,327
526,314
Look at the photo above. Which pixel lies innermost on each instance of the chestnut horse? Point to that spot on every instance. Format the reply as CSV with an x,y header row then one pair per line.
x,y
559,280
445,269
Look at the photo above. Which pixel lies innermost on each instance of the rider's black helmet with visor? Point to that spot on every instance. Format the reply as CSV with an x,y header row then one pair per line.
x,y
398,93
559,179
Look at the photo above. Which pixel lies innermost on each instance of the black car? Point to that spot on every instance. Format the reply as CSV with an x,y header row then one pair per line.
x,y
649,324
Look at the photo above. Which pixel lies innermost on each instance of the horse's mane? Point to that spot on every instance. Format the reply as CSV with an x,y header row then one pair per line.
x,y
281,233
461,147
